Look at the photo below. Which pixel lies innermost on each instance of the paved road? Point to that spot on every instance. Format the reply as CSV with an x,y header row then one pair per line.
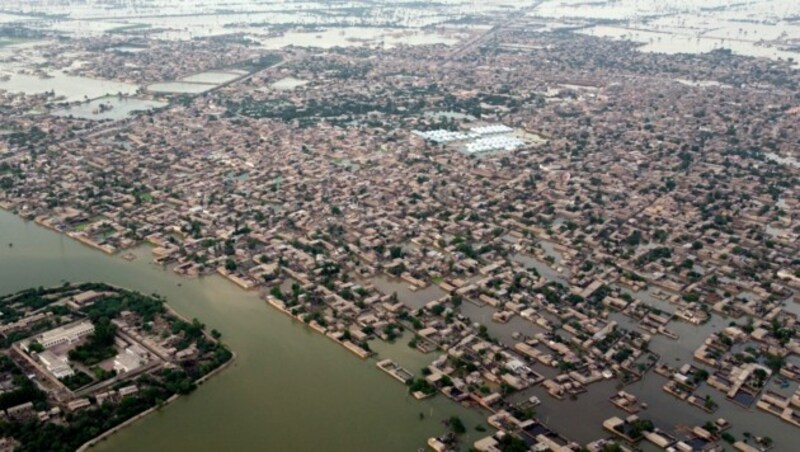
x,y
517,17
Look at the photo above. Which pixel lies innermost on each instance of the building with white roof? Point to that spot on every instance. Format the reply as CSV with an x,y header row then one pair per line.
x,y
443,136
56,365
494,129
479,140
493,143
66,334
133,358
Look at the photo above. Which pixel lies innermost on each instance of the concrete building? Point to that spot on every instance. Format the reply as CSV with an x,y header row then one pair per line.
x,y
130,360
56,365
66,334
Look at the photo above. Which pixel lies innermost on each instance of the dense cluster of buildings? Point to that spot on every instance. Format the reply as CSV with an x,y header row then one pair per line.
x,y
598,208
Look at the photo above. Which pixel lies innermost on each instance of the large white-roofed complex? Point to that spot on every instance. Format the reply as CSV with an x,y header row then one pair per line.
x,y
478,140
492,129
443,136
494,143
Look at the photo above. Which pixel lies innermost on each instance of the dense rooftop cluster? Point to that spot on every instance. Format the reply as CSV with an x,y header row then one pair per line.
x,y
657,188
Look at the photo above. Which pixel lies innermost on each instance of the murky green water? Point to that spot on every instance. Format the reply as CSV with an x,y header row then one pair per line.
x,y
289,389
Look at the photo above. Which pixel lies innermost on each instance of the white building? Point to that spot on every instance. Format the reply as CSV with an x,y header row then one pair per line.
x,y
66,334
56,365
443,136
133,358
492,129
493,143
478,140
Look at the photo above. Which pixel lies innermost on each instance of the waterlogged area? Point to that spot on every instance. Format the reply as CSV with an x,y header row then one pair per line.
x,y
671,42
406,293
287,381
289,83
760,28
197,83
213,77
582,419
286,377
187,19
26,68
355,36
382,23
294,389
180,88
109,108
70,87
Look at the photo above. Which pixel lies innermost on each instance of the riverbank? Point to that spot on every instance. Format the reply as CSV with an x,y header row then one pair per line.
x,y
105,435
314,381
121,354
285,376
172,312
89,444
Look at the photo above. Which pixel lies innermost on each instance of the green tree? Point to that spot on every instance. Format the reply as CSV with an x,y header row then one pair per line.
x,y
35,347
457,425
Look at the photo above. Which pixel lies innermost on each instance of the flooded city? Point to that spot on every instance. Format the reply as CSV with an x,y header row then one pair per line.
x,y
539,225
286,378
